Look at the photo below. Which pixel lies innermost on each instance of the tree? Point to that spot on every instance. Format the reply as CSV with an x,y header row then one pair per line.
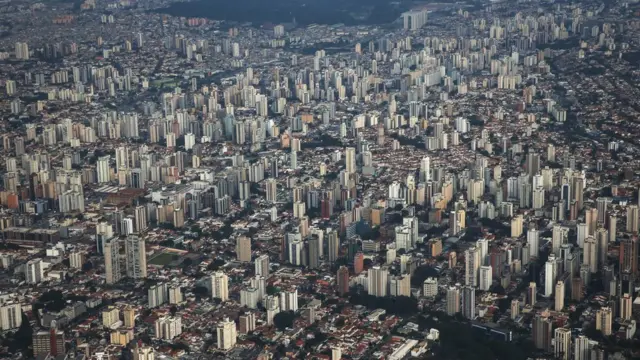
x,y
367,263
187,262
87,266
52,300
421,274
22,338
216,264
398,305
498,289
272,290
284,319
200,291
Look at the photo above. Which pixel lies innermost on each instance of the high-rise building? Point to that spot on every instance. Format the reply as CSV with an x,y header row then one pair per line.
x,y
22,51
243,249
136,257
289,300
602,241
342,280
453,300
10,86
112,261
157,295
168,327
562,348
582,348
333,246
425,168
591,219
227,334
350,160
103,170
175,295
400,286
550,273
469,302
577,188
602,204
430,287
613,228
260,283
559,293
632,218
486,278
10,316
533,240
414,19
558,236
472,264
76,259
604,317
336,353
247,323
129,315
219,286
249,297
271,189
457,221
110,316
542,332
516,226
515,309
590,255
313,252
140,214
531,294
576,289
262,265
358,263
143,353
378,281
34,271
50,342
625,307
629,255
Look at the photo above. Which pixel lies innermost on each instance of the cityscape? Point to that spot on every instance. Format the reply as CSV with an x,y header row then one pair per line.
x,y
322,180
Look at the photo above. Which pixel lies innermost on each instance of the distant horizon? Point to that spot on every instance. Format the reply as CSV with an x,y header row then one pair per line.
x,y
284,11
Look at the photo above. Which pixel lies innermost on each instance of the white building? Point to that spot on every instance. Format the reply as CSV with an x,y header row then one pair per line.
x,y
414,19
227,334
471,266
158,294
486,277
378,281
550,268
219,286
168,327
10,316
34,271
430,287
249,297
136,257
289,300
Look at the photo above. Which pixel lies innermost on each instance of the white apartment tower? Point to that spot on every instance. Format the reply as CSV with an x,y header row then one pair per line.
x,y
34,271
471,266
220,286
136,257
227,334
378,281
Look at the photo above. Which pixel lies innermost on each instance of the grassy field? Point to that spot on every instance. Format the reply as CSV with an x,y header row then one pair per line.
x,y
162,259
169,82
